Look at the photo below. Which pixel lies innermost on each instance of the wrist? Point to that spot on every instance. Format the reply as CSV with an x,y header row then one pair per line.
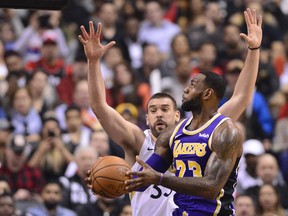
x,y
160,179
254,48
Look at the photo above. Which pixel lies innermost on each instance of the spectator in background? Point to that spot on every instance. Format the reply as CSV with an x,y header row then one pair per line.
x,y
3,69
51,156
4,185
17,75
244,205
247,176
42,95
127,89
150,72
24,118
232,46
76,192
25,181
268,172
100,141
81,99
103,206
51,195
257,117
52,64
175,84
204,23
269,201
179,47
8,205
31,41
5,131
207,55
76,134
154,27
108,15
132,25
126,210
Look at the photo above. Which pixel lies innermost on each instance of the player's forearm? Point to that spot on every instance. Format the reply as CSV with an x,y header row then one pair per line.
x,y
193,186
96,86
246,81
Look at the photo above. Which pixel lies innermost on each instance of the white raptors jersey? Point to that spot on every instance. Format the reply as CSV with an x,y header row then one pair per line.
x,y
155,200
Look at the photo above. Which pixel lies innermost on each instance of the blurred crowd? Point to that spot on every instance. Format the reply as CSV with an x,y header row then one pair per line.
x,y
49,136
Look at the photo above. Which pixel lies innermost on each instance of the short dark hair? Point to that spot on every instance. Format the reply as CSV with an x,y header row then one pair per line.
x,y
162,95
216,82
71,108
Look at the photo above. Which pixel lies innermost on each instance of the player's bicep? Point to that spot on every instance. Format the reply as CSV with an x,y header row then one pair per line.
x,y
227,147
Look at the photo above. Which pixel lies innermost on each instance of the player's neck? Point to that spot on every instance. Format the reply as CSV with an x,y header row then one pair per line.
x,y
200,119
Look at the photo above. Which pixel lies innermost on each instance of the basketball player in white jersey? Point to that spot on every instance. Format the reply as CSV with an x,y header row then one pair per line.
x,y
161,113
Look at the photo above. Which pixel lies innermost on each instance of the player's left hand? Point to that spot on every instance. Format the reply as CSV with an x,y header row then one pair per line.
x,y
146,177
254,28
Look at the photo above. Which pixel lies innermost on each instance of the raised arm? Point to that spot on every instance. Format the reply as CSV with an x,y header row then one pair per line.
x,y
226,146
244,88
124,133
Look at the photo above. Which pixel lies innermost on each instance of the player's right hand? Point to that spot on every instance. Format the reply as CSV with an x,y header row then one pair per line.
x,y
88,179
94,50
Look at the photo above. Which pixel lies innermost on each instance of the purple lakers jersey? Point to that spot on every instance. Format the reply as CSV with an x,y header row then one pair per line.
x,y
191,151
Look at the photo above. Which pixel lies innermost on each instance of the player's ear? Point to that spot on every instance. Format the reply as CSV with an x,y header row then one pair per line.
x,y
208,93
147,122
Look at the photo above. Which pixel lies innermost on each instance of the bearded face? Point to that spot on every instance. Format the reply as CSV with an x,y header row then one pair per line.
x,y
192,105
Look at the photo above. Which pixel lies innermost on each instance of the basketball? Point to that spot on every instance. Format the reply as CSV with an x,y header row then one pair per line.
x,y
108,176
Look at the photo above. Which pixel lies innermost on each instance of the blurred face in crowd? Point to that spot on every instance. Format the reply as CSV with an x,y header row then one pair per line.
x,y
184,68
22,101
231,36
108,14
73,120
151,56
113,56
14,63
7,206
38,82
267,168
14,161
100,141
244,206
126,211
132,27
85,158
123,76
81,94
49,51
51,125
154,12
208,54
268,197
6,32
51,195
180,45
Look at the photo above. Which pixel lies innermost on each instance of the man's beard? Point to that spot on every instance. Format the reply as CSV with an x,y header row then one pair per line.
x,y
50,205
160,124
192,105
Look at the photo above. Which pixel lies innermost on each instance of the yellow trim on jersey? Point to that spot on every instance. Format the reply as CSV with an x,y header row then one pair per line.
x,y
131,195
201,128
185,213
174,132
210,138
221,194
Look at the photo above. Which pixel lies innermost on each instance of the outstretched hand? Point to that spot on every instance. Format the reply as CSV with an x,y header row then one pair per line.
x,y
146,177
254,29
94,50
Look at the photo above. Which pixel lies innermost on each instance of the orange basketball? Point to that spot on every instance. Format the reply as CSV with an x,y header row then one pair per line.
x,y
108,176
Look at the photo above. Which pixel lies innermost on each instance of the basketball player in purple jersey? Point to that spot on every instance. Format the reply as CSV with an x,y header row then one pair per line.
x,y
161,113
205,150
